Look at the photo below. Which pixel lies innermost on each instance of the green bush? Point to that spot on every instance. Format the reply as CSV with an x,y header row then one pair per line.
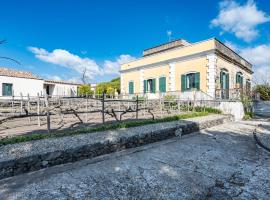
x,y
263,91
169,101
248,115
207,109
85,90
109,88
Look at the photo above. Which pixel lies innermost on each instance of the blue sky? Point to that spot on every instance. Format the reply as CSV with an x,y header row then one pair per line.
x,y
57,39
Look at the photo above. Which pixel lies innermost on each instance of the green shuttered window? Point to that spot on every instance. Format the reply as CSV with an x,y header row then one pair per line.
x,y
162,84
197,81
144,86
190,81
131,87
224,84
7,89
149,85
183,82
239,79
153,86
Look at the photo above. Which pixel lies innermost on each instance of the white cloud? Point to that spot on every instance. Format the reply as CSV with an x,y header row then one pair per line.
x,y
231,45
66,59
75,80
259,57
83,52
54,77
113,67
241,20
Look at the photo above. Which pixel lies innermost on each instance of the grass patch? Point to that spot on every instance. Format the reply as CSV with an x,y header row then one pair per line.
x,y
128,124
248,116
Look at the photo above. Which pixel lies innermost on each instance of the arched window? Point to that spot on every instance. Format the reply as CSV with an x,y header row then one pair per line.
x,y
190,81
239,80
224,83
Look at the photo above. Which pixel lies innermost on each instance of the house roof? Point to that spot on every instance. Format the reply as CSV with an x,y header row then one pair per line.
x,y
60,82
16,73
166,46
4,71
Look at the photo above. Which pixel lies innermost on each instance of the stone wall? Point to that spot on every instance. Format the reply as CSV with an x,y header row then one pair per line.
x,y
29,156
233,108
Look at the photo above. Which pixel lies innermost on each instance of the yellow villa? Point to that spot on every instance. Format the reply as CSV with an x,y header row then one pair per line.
x,y
209,67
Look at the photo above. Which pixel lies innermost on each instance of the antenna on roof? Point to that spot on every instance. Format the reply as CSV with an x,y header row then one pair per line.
x,y
169,34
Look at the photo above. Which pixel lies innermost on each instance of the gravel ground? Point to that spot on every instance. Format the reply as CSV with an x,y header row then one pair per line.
x,y
222,162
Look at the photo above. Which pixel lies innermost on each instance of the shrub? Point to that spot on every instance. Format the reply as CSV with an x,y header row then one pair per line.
x,y
248,115
109,87
169,101
247,104
85,90
263,91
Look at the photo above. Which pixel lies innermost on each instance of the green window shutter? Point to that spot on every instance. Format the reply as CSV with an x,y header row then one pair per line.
x,y
197,80
154,85
144,86
227,81
162,84
131,87
227,86
6,89
164,87
183,82
221,79
236,78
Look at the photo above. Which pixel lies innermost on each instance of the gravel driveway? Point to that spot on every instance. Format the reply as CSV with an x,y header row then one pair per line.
x,y
222,162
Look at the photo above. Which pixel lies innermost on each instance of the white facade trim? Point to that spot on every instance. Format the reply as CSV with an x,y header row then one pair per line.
x,y
172,77
211,74
141,80
122,87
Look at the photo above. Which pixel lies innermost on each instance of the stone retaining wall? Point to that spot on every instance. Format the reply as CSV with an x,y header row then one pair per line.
x,y
30,156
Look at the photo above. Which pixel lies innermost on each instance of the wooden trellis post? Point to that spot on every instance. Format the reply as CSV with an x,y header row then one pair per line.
x,y
103,108
86,109
161,109
48,112
12,103
38,109
21,103
137,106
28,106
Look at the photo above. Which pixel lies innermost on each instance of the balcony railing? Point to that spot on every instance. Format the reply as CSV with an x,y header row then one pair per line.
x,y
232,94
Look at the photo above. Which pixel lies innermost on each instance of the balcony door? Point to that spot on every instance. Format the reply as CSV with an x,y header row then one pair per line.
x,y
224,84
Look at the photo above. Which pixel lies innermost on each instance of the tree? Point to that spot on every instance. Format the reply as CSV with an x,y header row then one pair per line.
x,y
101,87
84,76
264,91
8,58
85,90
109,87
